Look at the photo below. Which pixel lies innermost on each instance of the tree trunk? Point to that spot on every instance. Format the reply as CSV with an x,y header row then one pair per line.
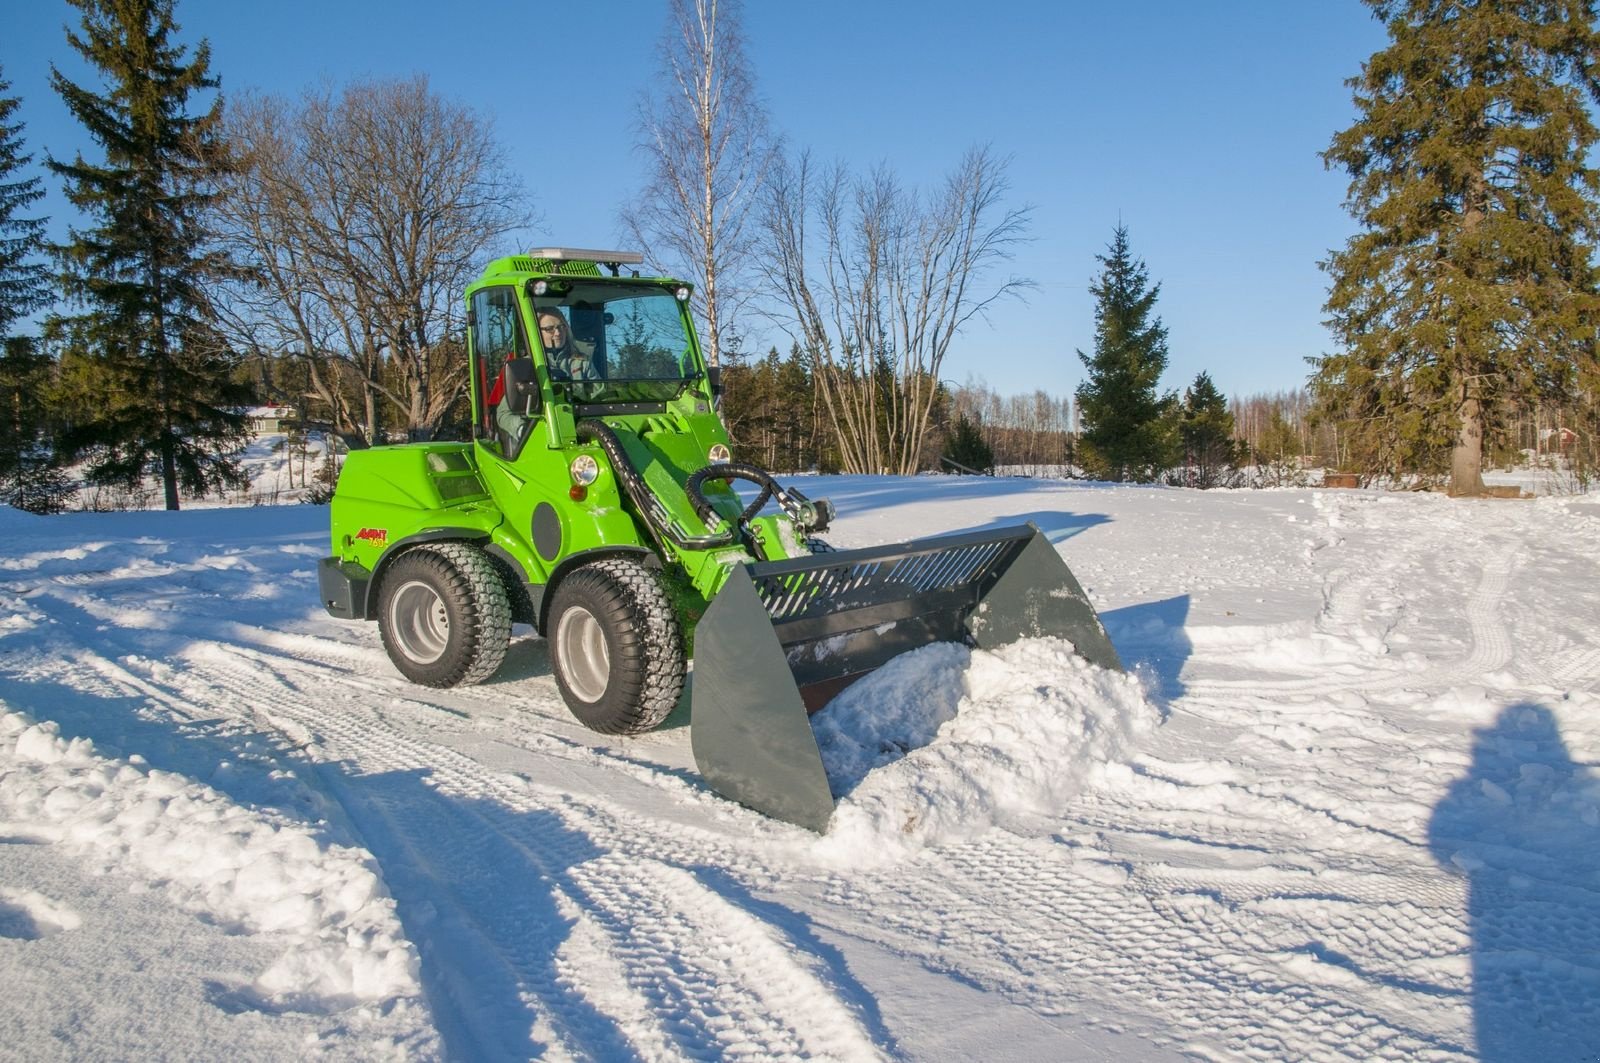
x,y
1466,456
169,469
370,394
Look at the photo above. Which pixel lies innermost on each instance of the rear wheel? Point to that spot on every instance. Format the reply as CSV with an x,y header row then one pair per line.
x,y
616,647
444,615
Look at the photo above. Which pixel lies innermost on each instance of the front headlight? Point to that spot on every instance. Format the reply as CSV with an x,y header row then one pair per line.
x,y
719,454
585,470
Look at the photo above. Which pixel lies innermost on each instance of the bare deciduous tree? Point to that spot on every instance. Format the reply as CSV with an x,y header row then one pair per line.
x,y
1030,435
280,304
707,139
878,304
361,217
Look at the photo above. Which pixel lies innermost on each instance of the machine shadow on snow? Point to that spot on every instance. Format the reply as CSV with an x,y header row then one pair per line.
x,y
1520,829
495,943
203,752
502,870
1057,525
1153,642
527,657
799,931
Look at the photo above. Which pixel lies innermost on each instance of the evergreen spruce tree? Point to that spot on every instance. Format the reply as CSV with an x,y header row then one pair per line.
x,y
29,478
157,381
1471,287
24,278
1128,429
966,447
1207,429
1277,455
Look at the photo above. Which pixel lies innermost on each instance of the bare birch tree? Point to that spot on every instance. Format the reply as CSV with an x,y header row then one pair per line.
x,y
880,294
361,217
709,146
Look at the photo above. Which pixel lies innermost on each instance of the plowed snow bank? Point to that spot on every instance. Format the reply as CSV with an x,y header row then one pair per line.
x,y
942,743
344,942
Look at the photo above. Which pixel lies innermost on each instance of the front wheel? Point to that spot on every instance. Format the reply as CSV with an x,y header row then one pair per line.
x,y
444,615
616,647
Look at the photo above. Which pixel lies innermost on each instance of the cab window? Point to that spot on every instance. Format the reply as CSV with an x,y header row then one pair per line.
x,y
497,337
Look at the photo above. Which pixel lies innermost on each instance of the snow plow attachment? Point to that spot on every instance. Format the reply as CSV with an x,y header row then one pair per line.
x,y
783,637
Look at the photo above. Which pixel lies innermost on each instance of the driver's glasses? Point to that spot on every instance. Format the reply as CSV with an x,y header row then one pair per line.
x,y
553,330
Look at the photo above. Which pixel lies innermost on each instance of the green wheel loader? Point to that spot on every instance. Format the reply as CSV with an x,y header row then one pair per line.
x,y
596,503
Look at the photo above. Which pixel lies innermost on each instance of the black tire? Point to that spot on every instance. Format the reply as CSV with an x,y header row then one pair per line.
x,y
616,647
444,615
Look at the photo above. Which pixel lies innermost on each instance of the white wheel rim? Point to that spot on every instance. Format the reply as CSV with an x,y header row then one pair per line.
x,y
585,659
420,622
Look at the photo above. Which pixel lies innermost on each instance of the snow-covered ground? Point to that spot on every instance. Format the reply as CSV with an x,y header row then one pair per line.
x,y
277,471
1345,806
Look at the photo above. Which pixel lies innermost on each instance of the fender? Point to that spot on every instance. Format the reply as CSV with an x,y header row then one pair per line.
x,y
367,607
561,571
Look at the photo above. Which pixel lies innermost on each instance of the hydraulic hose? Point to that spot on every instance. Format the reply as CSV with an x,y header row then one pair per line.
x,y
644,500
728,471
808,516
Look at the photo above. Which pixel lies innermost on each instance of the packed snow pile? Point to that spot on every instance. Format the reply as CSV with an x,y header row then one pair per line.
x,y
944,743
342,942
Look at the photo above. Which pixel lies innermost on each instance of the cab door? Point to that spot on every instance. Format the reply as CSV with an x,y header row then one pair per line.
x,y
495,338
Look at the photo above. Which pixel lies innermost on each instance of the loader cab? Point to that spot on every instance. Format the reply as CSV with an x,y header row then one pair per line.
x,y
551,333
620,344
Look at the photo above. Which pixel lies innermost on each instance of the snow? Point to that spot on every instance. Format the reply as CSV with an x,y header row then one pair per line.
x,y
1344,804
943,744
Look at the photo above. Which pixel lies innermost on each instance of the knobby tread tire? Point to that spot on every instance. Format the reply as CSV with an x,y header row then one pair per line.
x,y
479,609
644,639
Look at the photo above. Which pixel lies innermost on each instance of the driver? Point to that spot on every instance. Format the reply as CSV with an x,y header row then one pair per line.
x,y
565,359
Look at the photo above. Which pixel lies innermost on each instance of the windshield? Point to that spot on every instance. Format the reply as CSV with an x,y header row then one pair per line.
x,y
614,343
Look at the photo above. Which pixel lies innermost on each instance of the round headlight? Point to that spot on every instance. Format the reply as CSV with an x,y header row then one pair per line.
x,y
540,287
718,454
682,294
585,470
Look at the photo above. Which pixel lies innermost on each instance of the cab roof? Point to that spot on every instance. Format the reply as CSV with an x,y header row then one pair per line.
x,y
565,262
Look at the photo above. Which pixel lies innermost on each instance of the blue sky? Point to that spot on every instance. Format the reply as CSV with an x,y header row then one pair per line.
x,y
1197,125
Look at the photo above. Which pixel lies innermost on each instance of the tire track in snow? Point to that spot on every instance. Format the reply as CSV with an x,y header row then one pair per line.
x,y
715,979
688,955
1065,932
1491,645
1579,669
437,845
1491,650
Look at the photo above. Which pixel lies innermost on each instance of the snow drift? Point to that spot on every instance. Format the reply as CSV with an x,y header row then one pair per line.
x,y
343,944
945,743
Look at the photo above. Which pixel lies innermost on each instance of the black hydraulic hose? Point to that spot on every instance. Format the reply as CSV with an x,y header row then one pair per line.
x,y
808,515
728,471
649,507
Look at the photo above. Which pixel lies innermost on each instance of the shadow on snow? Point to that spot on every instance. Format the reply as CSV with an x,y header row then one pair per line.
x,y
1152,641
1521,829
